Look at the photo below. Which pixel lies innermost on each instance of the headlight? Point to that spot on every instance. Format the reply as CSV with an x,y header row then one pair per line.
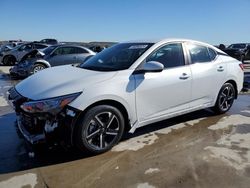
x,y
53,106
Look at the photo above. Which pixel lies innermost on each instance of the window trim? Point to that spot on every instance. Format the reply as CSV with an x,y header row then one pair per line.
x,y
177,42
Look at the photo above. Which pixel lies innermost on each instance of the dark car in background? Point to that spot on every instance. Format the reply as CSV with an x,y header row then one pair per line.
x,y
49,41
54,55
97,49
240,51
16,54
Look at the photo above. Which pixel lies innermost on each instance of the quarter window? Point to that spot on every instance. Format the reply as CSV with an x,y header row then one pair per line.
x,y
170,55
212,53
198,53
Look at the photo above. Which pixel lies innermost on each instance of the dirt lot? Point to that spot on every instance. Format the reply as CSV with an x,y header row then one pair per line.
x,y
194,150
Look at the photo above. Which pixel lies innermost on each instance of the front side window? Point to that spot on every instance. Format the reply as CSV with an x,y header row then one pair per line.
x,y
198,53
118,57
170,55
80,51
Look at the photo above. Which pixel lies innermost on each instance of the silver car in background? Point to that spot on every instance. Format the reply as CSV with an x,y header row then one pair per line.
x,y
124,87
52,56
16,54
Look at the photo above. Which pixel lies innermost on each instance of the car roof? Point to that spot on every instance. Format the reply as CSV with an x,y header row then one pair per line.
x,y
167,40
240,43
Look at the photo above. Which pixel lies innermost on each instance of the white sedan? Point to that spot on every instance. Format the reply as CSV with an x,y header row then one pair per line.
x,y
126,86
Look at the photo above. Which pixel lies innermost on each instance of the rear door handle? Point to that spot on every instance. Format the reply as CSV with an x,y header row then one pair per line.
x,y
184,76
220,69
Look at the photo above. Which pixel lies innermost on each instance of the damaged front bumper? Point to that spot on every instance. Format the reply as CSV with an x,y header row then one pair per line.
x,y
39,128
31,138
43,129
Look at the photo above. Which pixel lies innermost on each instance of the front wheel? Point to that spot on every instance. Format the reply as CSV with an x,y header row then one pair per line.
x,y
225,98
38,67
100,129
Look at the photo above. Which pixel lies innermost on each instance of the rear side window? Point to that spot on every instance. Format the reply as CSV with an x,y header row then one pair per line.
x,y
198,53
170,55
80,51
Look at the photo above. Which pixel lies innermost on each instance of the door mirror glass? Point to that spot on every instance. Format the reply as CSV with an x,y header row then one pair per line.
x,y
150,66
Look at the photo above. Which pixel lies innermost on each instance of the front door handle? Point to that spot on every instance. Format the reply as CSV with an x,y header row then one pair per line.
x,y
184,76
220,69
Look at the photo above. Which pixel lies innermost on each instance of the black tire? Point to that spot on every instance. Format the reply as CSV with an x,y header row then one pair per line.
x,y
225,98
99,129
38,67
9,60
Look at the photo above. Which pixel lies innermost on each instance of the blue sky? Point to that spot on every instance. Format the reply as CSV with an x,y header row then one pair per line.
x,y
213,21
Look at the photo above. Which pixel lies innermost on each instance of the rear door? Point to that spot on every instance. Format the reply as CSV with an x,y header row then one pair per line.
x,y
163,93
208,71
81,54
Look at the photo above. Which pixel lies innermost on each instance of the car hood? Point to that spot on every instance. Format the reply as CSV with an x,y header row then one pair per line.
x,y
59,81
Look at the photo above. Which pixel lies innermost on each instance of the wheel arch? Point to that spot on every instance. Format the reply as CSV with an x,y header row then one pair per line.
x,y
110,102
45,63
235,87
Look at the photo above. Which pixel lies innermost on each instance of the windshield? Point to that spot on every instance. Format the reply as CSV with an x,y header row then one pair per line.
x,y
49,49
237,46
118,57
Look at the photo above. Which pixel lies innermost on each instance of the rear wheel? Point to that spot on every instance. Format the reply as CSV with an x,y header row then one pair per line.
x,y
38,67
100,129
225,98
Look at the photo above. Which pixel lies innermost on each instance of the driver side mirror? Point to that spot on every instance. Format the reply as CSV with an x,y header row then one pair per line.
x,y
151,66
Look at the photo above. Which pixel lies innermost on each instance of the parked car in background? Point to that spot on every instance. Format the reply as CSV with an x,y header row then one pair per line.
x,y
97,49
49,41
54,55
8,46
240,51
16,54
5,48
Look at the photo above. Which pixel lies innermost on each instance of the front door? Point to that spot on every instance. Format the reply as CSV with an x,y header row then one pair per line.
x,y
167,92
63,56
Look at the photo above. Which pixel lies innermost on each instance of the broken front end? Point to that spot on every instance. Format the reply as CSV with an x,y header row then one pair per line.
x,y
49,121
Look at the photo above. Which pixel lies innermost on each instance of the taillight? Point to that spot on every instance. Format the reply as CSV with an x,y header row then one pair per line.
x,y
241,66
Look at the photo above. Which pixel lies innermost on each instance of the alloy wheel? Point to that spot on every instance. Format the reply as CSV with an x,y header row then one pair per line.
x,y
226,98
38,68
102,130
